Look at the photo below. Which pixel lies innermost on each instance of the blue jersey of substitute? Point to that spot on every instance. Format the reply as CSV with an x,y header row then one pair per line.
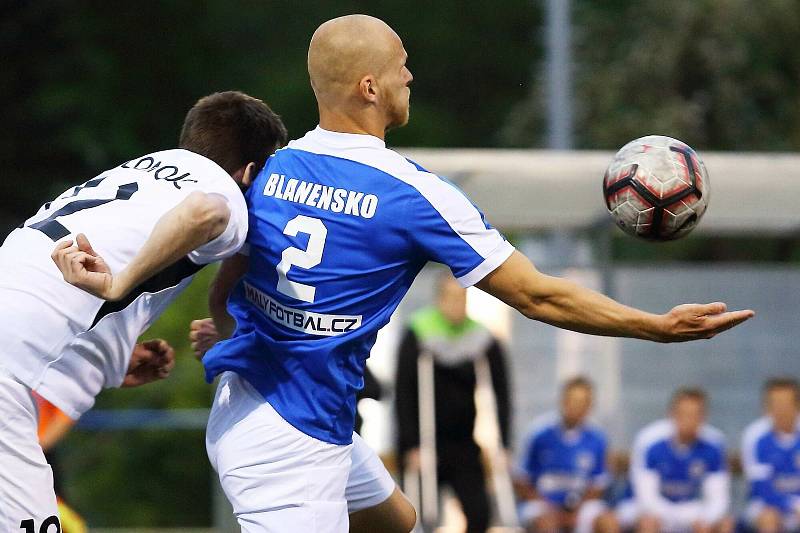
x,y
562,464
771,463
681,469
339,228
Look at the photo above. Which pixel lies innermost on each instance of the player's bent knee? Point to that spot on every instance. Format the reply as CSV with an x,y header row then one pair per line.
x,y
407,515
606,522
395,515
547,522
769,519
648,524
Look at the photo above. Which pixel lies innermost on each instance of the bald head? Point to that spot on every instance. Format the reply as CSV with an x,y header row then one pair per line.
x,y
346,49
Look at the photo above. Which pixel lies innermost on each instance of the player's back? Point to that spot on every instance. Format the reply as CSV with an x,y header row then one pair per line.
x,y
60,340
339,228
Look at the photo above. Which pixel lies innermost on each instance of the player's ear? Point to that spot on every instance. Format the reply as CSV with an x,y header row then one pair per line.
x,y
245,175
368,88
249,174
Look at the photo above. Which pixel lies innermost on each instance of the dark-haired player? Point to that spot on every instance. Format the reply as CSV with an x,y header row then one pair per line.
x,y
181,209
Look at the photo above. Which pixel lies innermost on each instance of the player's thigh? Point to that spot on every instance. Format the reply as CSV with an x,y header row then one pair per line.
x,y
757,515
530,511
368,482
393,515
679,524
627,513
587,514
276,477
27,499
374,502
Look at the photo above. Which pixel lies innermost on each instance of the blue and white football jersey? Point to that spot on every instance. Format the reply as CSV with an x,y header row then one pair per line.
x,y
339,228
771,463
681,469
562,464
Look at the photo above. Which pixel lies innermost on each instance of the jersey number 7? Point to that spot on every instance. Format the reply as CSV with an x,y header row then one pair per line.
x,y
55,230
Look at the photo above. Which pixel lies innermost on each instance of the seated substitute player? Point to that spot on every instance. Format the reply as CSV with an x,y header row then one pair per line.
x,y
340,227
178,208
562,473
771,460
679,471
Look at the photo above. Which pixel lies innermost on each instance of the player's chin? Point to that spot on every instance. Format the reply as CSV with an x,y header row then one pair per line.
x,y
399,120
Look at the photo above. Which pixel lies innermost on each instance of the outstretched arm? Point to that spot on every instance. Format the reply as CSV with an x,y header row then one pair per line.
x,y
197,220
562,303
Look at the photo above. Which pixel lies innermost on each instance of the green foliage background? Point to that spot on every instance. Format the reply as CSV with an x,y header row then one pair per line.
x,y
86,85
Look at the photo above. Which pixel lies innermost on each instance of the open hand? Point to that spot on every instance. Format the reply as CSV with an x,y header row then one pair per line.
x,y
151,361
700,321
82,267
203,334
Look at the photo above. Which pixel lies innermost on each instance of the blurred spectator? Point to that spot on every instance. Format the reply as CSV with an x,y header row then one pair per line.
x,y
679,471
562,474
456,342
54,426
771,460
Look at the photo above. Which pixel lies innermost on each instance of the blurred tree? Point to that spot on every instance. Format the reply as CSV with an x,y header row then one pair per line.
x,y
87,85
718,74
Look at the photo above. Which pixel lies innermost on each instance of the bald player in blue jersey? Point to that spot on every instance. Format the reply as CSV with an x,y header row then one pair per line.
x,y
339,228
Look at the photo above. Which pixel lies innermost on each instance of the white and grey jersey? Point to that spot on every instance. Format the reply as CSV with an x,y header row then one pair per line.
x,y
65,343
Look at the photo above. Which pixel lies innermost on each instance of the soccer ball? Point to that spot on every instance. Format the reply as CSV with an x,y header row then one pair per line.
x,y
656,188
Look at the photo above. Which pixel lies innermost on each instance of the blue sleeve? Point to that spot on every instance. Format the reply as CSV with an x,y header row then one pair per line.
x,y
531,464
447,228
716,460
600,457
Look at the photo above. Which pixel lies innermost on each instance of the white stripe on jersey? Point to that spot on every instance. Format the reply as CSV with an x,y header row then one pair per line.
x,y
753,469
455,208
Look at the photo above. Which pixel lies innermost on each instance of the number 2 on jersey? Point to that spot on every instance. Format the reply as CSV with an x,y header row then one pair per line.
x,y
308,258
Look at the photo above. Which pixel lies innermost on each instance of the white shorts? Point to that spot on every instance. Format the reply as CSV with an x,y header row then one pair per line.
x,y
26,480
588,512
279,479
368,483
754,509
629,513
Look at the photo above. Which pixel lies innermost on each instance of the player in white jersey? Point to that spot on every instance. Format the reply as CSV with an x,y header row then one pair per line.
x,y
341,225
182,209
